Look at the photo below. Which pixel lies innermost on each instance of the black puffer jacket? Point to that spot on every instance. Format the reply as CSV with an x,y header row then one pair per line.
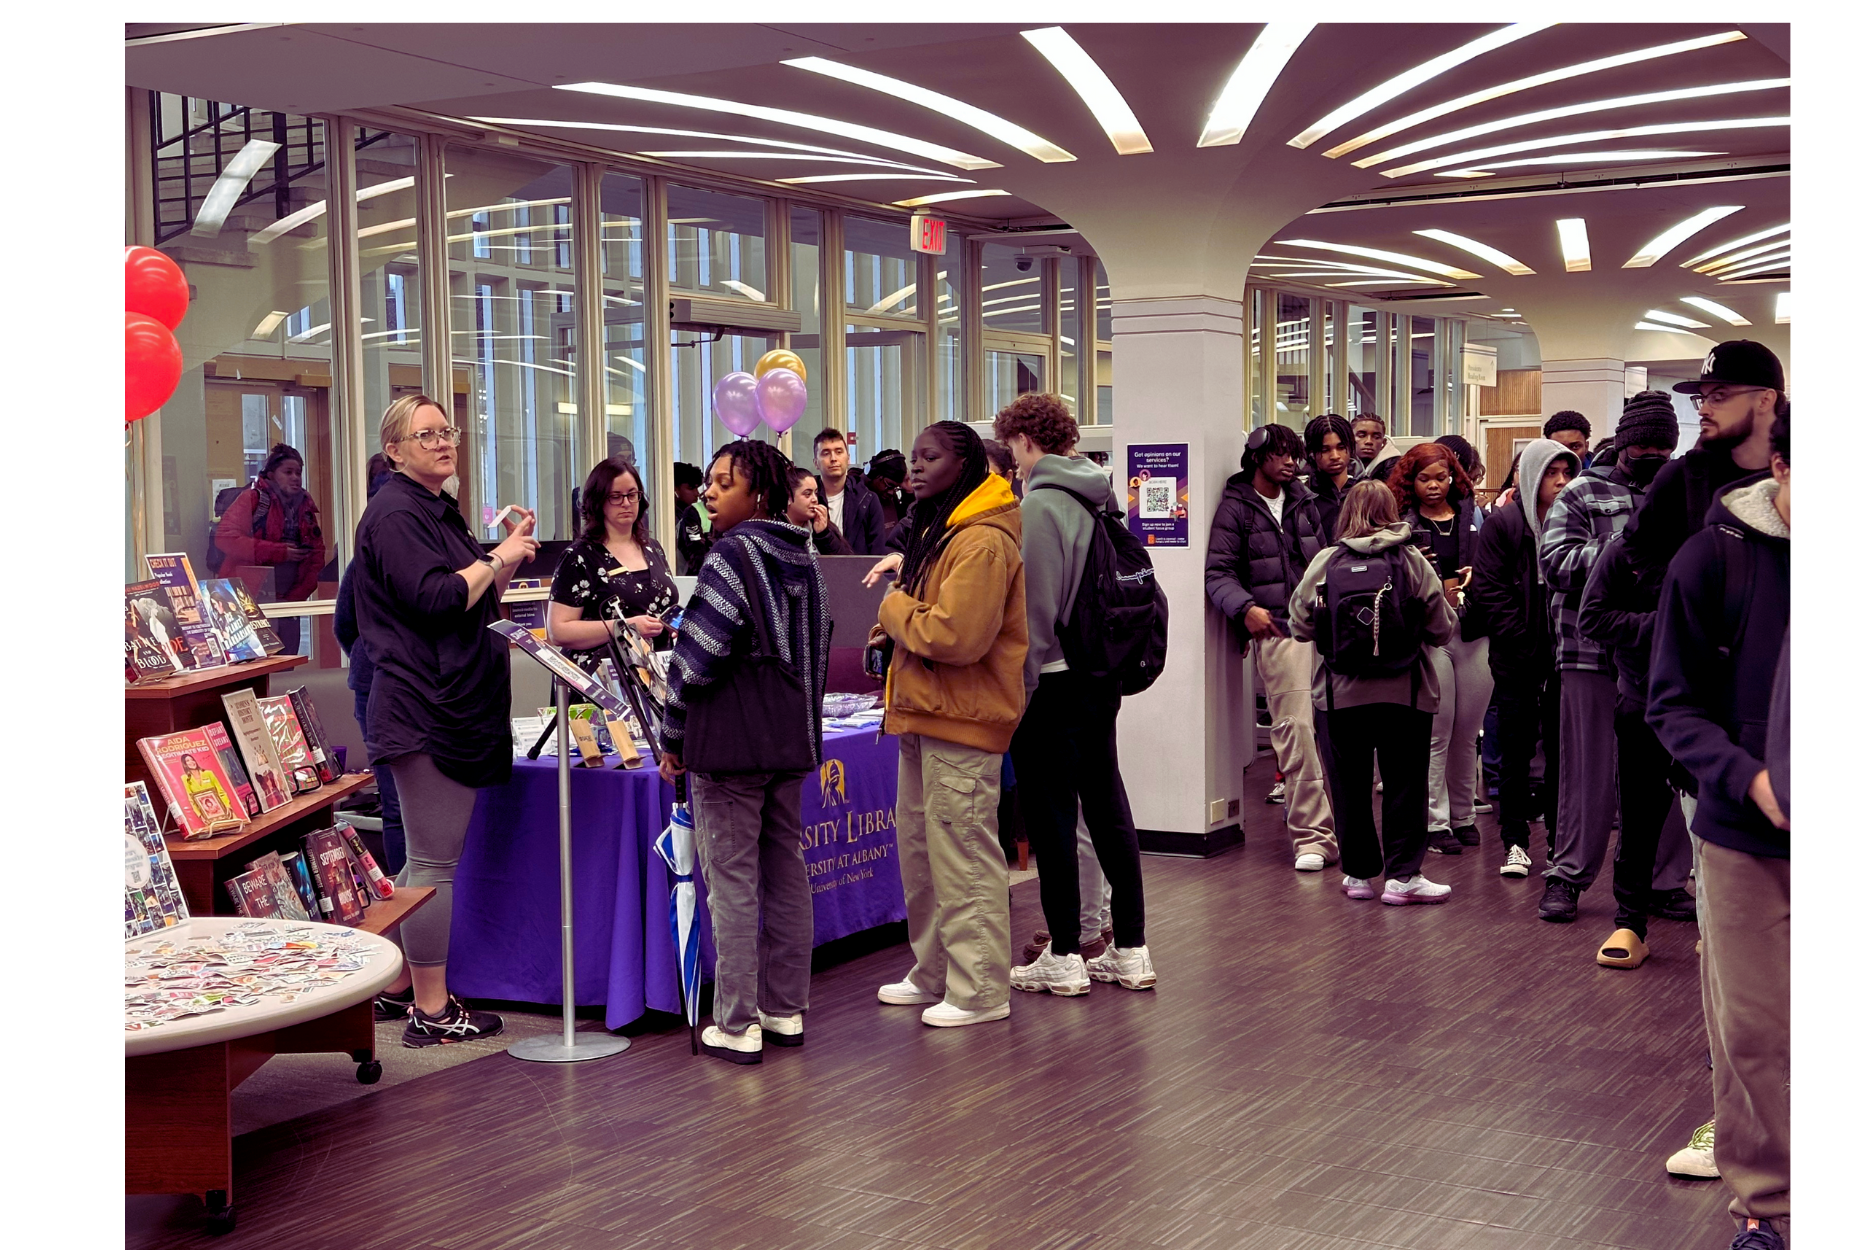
x,y
1250,560
1618,612
1511,604
1328,502
1470,520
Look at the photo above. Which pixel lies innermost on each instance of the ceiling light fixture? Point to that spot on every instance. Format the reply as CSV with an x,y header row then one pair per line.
x,y
1470,159
229,184
787,117
1573,234
1578,158
906,177
1782,315
1648,325
268,325
1096,90
969,114
1709,253
1400,84
1775,264
621,128
944,196
1236,106
1483,251
1571,110
1390,282
299,217
1732,258
1675,319
1524,84
1397,258
783,156
1715,308
1673,236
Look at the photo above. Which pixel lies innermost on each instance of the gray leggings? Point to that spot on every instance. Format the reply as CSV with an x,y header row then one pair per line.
x,y
436,819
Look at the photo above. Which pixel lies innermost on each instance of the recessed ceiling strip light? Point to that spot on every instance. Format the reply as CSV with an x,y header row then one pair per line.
x,y
229,184
1573,234
969,114
1392,282
1483,251
1397,258
1469,159
299,217
621,128
1673,236
1571,110
1648,325
1782,315
787,117
1675,319
781,156
1715,308
1709,253
1236,106
1776,264
1524,84
944,196
1579,158
1732,258
1400,84
896,177
268,325
1096,90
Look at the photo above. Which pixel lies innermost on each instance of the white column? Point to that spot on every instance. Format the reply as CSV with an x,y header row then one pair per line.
x,y
1595,387
1178,378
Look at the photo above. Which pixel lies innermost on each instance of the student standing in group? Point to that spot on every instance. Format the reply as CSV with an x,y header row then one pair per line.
x,y
1330,442
1434,494
1571,429
743,719
1372,446
806,511
1721,641
693,523
1388,717
1263,535
1591,510
276,522
851,504
1066,747
615,561
1507,589
953,696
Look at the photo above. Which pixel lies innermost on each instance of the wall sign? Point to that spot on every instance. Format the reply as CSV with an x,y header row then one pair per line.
x,y
1158,493
927,234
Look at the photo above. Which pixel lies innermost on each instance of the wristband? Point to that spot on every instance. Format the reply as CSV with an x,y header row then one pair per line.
x,y
494,562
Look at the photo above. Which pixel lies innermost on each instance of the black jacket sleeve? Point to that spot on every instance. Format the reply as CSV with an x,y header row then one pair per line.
x,y
865,531
1223,557
1495,592
1608,614
829,543
345,612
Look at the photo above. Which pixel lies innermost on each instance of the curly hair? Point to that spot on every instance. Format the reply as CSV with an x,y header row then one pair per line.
x,y
598,486
766,471
1278,440
1044,419
1417,458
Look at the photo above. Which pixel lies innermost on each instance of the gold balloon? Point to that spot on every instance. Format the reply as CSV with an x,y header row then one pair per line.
x,y
781,358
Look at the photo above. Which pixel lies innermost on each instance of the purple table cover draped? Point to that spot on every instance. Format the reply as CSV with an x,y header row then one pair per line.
x,y
505,940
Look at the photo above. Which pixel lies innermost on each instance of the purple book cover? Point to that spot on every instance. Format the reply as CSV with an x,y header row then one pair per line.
x,y
185,597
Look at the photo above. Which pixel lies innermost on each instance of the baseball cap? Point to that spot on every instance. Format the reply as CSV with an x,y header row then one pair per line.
x,y
1738,362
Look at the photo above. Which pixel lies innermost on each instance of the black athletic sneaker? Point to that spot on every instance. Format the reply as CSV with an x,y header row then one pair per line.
x,y
1446,844
455,1023
1673,905
389,1006
1757,1236
1468,834
1559,901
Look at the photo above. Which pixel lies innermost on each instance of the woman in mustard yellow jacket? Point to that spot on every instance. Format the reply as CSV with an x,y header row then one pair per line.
x,y
959,627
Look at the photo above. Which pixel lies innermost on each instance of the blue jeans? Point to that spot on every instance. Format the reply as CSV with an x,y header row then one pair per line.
x,y
392,812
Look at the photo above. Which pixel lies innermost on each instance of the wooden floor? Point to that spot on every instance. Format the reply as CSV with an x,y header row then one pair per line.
x,y
1311,1073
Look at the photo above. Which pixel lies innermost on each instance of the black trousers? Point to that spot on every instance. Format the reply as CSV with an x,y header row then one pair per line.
x,y
1642,766
1402,737
1064,750
1526,710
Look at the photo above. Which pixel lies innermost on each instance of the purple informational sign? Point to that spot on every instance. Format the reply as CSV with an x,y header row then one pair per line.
x,y
1158,493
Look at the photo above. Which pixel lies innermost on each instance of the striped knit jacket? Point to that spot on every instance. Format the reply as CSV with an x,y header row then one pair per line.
x,y
1586,516
717,627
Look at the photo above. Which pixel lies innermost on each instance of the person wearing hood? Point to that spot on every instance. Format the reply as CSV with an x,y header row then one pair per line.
x,y
1066,747
276,522
1330,442
1372,446
958,622
1585,518
1389,718
1263,535
747,745
1507,588
1720,639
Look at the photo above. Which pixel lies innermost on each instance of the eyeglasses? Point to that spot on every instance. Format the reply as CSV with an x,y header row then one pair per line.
x,y
1719,396
619,498
432,439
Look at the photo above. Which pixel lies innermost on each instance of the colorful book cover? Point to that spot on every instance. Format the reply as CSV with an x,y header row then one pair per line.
x,y
531,615
289,740
295,865
317,744
152,896
332,866
254,896
223,611
309,860
153,645
248,728
231,764
185,596
380,884
270,866
190,777
263,628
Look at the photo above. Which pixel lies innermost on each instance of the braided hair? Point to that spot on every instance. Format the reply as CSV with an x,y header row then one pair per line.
x,y
767,471
928,516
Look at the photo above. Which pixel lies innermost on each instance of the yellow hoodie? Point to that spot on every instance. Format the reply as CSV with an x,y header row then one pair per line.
x,y
962,638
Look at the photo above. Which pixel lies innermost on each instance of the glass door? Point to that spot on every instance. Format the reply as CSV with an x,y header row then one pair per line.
x,y
884,389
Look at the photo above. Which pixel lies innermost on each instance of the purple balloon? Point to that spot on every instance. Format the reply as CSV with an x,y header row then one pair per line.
x,y
781,398
736,403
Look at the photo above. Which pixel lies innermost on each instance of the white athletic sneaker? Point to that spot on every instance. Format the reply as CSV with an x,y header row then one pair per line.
x,y
1130,966
1309,861
905,994
945,1016
1516,863
1355,887
782,1030
743,1047
1418,890
1279,793
1058,974
1695,1159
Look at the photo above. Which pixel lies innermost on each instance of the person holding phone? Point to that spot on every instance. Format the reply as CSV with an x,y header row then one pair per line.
x,y
614,562
1434,493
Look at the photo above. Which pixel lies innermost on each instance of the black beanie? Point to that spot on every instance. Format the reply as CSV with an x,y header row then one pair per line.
x,y
1649,420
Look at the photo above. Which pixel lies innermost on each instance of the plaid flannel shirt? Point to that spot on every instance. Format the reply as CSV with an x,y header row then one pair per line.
x,y
1586,515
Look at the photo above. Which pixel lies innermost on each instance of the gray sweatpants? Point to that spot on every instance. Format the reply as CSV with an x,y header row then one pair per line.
x,y
1585,800
1096,892
436,820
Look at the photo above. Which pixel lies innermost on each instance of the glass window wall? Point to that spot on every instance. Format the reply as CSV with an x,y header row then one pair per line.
x,y
883,401
1103,348
1069,334
1012,291
718,243
804,260
1422,422
1295,401
1363,363
949,403
622,301
881,268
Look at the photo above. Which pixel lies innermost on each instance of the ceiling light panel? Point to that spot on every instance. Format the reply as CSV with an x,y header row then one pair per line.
x,y
1675,319
1732,258
969,114
1782,315
1648,325
1709,253
788,117
1524,84
1677,234
1572,233
1777,264
1715,308
1469,159
1236,106
1397,258
1096,90
229,184
621,128
945,196
1579,158
1400,84
1483,251
894,177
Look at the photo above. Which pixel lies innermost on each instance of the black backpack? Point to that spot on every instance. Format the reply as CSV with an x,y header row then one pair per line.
x,y
1117,625
1370,624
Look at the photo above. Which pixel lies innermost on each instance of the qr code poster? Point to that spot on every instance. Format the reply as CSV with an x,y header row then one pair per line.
x,y
1158,493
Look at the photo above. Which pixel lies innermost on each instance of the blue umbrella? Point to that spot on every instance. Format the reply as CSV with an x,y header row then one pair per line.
x,y
677,847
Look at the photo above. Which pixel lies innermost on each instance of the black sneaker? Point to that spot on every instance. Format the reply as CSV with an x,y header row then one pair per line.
x,y
1468,834
1757,1236
1673,905
389,1006
455,1023
1559,901
1446,844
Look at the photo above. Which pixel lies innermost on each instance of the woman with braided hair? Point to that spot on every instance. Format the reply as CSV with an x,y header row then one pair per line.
x,y
958,622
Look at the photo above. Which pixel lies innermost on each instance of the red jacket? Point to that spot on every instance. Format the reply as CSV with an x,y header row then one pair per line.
x,y
235,536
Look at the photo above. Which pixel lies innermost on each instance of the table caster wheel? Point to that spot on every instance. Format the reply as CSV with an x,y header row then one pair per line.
x,y
368,1073
220,1213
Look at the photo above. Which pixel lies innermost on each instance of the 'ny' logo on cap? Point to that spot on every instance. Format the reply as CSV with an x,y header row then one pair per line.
x,y
1711,360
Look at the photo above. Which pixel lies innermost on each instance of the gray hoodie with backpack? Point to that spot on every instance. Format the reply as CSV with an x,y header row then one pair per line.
x,y
1056,532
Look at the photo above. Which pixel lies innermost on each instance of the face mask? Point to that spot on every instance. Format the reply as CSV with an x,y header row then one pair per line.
x,y
1644,468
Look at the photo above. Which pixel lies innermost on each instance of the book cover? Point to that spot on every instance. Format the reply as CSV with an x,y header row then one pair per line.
x,y
185,596
290,742
317,744
361,883
284,894
189,775
309,860
380,884
295,865
263,628
248,728
253,895
153,644
531,615
579,681
332,866
152,897
223,611
244,796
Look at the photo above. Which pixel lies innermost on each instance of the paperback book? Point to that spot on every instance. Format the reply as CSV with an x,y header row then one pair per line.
x,y
290,742
185,596
297,872
223,612
253,895
263,628
230,758
375,880
332,874
190,777
285,896
152,897
248,728
153,645
317,744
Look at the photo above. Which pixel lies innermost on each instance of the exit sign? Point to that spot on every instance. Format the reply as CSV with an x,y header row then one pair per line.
x,y
927,234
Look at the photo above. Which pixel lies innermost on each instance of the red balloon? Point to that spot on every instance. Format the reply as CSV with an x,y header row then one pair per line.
x,y
152,365
154,286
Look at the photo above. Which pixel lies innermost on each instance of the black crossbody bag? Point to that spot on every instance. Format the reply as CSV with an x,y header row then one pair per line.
x,y
740,723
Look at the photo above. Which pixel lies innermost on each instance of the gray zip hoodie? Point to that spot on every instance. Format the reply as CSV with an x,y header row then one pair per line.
x,y
1055,533
1537,457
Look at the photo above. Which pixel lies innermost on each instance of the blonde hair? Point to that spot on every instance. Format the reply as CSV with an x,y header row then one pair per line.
x,y
396,424
1368,508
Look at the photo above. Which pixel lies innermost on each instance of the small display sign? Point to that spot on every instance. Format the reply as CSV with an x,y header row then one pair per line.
x,y
1158,493
928,234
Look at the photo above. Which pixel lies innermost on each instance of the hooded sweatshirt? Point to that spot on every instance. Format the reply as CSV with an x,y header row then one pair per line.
x,y
1505,586
962,632
1425,586
1056,531
1531,466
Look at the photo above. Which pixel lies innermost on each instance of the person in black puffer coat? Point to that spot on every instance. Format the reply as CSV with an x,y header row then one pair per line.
x,y
1330,440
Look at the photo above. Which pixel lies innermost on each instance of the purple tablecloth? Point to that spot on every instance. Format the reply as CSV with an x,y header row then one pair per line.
x,y
505,940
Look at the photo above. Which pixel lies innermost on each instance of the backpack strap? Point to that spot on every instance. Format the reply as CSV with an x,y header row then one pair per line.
x,y
1739,576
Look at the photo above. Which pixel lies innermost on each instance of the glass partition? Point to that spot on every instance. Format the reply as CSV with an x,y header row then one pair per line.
x,y
696,366
1295,404
718,243
883,369
1068,334
1012,291
1011,374
881,268
1363,363
389,277
1423,378
804,259
949,402
622,300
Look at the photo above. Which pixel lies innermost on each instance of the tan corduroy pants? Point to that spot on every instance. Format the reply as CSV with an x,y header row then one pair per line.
x,y
956,879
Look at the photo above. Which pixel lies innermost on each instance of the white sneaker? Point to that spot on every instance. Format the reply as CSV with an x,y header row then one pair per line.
x,y
1418,890
1695,1158
1309,861
1058,974
905,994
743,1047
945,1016
782,1030
1130,966
1516,863
1355,887
1279,793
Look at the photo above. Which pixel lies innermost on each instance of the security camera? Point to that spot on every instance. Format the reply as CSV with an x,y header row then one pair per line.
x,y
1024,263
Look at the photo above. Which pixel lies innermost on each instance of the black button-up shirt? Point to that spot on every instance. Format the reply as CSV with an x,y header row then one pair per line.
x,y
441,684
